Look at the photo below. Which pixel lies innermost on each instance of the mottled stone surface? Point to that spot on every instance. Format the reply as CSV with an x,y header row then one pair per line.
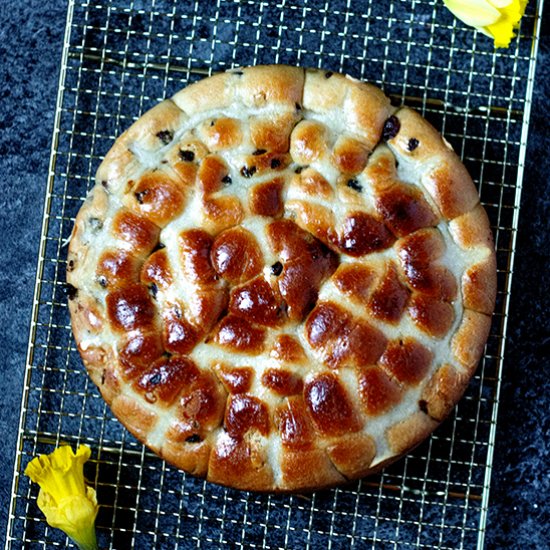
x,y
518,510
31,38
31,35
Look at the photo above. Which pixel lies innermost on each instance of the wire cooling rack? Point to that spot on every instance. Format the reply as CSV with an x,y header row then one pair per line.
x,y
119,59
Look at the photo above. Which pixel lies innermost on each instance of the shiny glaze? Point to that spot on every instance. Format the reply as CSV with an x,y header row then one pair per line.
x,y
342,339
421,248
404,209
307,142
137,232
389,299
350,155
201,405
158,198
211,173
179,336
223,133
195,245
307,262
256,302
316,219
273,133
165,379
236,256
206,307
235,379
433,316
282,382
433,280
130,308
117,268
288,349
156,269
137,351
361,234
355,280
265,198
245,412
329,405
378,392
406,360
314,184
222,212
418,255
238,334
294,424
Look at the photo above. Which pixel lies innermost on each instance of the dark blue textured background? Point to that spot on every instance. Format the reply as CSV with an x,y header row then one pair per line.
x,y
30,45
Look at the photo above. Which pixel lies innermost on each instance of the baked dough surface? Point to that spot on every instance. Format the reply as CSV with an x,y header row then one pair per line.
x,y
279,281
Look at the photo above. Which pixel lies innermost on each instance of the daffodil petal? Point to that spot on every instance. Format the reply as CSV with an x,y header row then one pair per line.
x,y
484,31
497,19
514,11
476,13
60,473
500,3
503,30
64,498
75,516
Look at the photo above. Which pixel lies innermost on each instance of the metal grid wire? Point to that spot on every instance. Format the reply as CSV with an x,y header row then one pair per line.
x,y
119,59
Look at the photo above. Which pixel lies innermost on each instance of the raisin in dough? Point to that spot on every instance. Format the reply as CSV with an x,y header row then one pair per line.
x,y
279,281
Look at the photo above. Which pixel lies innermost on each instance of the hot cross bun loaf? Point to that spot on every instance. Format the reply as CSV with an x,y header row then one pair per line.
x,y
280,281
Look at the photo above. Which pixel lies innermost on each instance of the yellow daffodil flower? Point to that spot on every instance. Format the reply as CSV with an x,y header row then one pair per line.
x,y
496,18
65,500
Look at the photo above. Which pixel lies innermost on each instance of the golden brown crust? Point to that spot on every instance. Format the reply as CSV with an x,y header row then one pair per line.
x,y
442,392
451,187
240,463
368,108
470,338
186,451
208,94
443,174
264,279
479,285
307,469
472,229
138,419
408,433
352,455
153,131
412,126
270,85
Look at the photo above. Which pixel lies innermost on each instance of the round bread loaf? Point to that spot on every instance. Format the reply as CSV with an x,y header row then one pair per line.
x,y
279,281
